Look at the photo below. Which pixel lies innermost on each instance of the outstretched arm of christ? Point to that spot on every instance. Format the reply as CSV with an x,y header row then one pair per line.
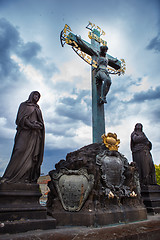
x,y
85,47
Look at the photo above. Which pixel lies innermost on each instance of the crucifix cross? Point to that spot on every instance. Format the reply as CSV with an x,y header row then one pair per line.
x,y
102,64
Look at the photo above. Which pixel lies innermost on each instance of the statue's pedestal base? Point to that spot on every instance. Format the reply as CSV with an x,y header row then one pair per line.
x,y
151,198
99,218
20,209
95,187
20,201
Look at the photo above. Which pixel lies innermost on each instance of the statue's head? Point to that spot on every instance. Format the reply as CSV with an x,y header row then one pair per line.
x,y
103,50
34,97
138,127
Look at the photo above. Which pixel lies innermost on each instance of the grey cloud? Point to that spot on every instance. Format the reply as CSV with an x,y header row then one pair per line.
x,y
123,109
68,101
9,36
69,112
151,94
77,114
29,53
12,43
9,39
76,109
62,127
120,111
9,69
156,114
68,86
154,44
5,152
29,50
67,132
57,154
81,95
122,84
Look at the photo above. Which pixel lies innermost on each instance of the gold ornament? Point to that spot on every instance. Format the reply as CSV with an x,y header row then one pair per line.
x,y
110,195
111,141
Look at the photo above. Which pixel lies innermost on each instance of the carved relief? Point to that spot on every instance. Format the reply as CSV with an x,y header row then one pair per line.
x,y
112,170
73,187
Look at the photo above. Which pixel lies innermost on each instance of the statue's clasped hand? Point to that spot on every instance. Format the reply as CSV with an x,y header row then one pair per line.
x,y
37,125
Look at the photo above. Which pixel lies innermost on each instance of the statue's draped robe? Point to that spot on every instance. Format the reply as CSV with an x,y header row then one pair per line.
x,y
141,146
27,155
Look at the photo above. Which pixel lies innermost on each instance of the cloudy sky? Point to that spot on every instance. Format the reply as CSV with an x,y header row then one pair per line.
x,y
31,58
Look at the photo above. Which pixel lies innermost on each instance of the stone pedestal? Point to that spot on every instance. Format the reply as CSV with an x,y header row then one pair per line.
x,y
20,209
20,201
95,187
151,198
96,218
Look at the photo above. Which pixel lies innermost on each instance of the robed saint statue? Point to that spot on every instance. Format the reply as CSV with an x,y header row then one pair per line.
x,y
27,154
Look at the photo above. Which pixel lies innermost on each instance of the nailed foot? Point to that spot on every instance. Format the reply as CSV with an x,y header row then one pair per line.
x,y
103,100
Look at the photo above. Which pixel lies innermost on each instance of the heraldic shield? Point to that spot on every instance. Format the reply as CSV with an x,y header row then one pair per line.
x,y
112,168
73,187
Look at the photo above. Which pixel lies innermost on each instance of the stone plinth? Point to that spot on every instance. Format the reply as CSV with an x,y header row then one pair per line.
x,y
20,209
151,198
95,218
95,187
19,201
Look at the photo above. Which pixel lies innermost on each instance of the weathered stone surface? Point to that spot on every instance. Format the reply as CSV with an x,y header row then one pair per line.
x,y
114,197
20,210
12,227
73,187
20,200
151,198
142,230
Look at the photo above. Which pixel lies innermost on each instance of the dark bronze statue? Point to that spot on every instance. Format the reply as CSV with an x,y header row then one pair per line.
x,y
27,155
140,147
102,74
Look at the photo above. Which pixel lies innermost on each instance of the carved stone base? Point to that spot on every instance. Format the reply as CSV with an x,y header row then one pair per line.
x,y
99,218
20,201
20,208
94,187
151,198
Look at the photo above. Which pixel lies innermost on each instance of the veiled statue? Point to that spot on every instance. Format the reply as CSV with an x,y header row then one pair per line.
x,y
27,154
140,147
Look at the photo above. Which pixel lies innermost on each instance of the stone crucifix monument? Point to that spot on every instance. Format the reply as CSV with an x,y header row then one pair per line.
x,y
102,65
95,185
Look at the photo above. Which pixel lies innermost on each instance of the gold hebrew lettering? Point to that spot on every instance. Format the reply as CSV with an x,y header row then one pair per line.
x,y
68,41
98,28
90,23
82,54
75,44
88,59
94,64
90,35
